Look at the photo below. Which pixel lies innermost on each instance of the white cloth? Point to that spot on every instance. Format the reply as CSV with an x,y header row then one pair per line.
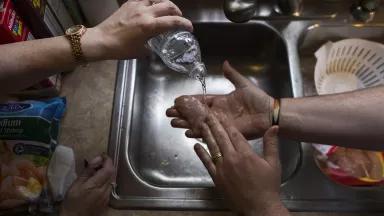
x,y
61,171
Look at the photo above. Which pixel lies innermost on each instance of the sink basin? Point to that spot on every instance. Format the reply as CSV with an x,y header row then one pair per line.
x,y
317,35
311,190
157,167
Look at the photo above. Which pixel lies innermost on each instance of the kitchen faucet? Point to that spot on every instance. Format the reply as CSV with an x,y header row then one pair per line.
x,y
240,11
245,10
290,7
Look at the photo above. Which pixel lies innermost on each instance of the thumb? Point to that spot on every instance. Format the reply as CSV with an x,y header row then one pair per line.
x,y
271,147
234,76
91,167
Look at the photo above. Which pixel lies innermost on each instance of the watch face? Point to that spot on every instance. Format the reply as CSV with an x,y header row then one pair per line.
x,y
74,30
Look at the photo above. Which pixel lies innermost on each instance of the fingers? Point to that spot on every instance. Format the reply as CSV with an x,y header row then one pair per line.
x,y
192,134
166,8
206,159
139,2
172,112
180,123
234,76
220,135
104,175
209,139
208,99
271,147
156,1
96,162
167,23
90,167
180,103
238,141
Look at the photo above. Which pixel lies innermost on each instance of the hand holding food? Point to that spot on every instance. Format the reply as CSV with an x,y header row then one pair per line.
x,y
248,108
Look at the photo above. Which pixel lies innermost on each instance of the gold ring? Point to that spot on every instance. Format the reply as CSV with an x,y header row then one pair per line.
x,y
216,157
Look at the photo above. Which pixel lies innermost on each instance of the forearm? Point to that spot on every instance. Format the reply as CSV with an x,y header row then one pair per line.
x,y
26,63
353,119
123,35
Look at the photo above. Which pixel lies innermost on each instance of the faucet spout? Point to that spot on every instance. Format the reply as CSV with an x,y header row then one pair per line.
x,y
290,7
240,11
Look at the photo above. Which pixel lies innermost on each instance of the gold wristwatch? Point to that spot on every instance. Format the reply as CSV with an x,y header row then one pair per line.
x,y
74,34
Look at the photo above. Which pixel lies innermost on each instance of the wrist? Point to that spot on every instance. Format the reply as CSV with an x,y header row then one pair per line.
x,y
267,209
93,45
288,119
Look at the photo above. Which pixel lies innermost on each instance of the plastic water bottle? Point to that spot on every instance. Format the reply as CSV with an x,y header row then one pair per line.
x,y
180,51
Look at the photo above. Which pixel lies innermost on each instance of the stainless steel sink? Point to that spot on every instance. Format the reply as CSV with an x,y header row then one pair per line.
x,y
157,166
310,187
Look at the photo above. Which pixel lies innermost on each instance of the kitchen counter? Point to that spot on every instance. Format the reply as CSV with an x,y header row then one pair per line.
x,y
85,128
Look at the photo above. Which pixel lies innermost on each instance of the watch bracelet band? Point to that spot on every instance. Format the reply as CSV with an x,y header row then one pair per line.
x,y
77,51
276,112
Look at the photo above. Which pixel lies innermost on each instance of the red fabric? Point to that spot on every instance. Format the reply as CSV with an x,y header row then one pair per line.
x,y
12,27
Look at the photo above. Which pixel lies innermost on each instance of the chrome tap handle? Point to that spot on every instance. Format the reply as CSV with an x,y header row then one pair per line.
x,y
240,11
370,5
290,7
364,10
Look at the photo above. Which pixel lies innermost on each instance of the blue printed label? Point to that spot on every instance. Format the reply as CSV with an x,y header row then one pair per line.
x,y
14,107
